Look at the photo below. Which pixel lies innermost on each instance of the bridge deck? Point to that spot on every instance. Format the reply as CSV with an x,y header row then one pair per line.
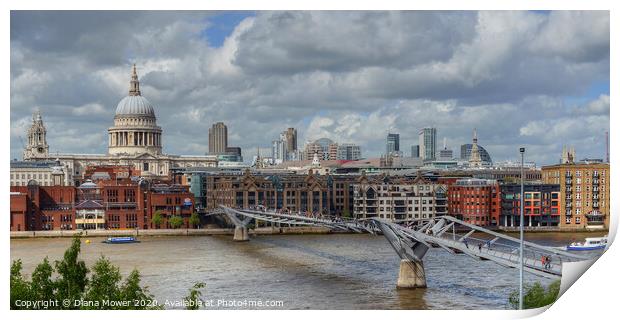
x,y
413,241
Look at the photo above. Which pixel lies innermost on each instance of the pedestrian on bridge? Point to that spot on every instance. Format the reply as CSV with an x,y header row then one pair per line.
x,y
479,247
543,261
548,260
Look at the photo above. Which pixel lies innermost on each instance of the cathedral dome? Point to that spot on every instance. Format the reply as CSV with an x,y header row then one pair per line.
x,y
135,105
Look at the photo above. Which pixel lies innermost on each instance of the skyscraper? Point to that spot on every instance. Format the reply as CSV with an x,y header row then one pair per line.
x,y
428,143
349,151
393,143
218,138
415,151
291,140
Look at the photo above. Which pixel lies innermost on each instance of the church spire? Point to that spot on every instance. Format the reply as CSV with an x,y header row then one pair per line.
x,y
134,84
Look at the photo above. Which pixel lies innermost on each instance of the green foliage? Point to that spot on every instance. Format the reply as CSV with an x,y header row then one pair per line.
x,y
194,219
193,301
175,221
72,273
157,218
535,295
20,288
42,286
132,291
346,213
73,284
103,283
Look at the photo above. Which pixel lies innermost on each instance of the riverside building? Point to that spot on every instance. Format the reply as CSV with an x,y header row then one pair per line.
x,y
584,193
398,198
475,201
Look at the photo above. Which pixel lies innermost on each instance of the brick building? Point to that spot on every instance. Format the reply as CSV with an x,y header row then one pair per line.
x,y
282,190
19,210
107,204
541,205
475,201
584,193
46,207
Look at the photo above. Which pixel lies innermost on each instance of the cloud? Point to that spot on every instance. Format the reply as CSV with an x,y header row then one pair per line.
x,y
351,76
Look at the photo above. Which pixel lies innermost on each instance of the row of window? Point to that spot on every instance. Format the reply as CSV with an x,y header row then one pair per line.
x,y
29,176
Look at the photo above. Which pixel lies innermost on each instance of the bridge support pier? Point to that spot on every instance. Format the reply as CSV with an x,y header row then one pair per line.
x,y
411,275
241,234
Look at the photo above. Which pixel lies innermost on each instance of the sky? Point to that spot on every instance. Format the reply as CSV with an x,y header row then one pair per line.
x,y
533,79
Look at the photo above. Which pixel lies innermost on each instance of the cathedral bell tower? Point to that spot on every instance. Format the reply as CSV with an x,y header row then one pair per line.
x,y
37,147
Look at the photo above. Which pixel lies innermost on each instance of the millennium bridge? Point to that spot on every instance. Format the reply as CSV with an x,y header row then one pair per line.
x,y
411,240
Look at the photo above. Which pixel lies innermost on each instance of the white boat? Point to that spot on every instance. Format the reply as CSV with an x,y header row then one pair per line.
x,y
589,244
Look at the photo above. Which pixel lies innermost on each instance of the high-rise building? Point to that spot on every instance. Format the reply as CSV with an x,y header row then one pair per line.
x,y
584,193
291,140
445,153
218,138
415,151
332,151
311,149
285,148
428,143
349,151
393,143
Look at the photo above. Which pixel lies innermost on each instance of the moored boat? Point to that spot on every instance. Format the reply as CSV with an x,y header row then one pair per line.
x,y
589,244
119,240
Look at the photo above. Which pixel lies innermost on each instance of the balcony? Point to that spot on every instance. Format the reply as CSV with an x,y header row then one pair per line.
x,y
569,204
595,205
595,182
568,181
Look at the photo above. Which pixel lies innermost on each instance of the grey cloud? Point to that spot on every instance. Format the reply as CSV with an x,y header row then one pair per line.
x,y
368,72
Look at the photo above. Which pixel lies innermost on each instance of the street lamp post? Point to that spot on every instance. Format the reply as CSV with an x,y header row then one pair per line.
x,y
522,151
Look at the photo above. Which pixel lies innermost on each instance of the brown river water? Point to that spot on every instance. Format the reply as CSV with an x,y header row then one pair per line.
x,y
334,271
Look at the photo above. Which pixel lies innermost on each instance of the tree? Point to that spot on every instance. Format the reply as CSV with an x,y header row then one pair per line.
x,y
193,301
72,273
72,283
103,284
175,221
20,288
157,218
132,291
42,286
346,213
194,219
535,295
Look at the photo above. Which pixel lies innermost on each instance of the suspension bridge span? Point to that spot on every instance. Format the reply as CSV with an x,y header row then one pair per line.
x,y
411,240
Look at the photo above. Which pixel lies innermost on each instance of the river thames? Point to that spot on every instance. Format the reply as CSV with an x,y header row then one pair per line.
x,y
335,271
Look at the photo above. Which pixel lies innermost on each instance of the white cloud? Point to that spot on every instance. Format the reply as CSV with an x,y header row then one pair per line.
x,y
350,76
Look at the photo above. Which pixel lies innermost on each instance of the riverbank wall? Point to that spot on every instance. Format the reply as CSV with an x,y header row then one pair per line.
x,y
166,232
230,232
